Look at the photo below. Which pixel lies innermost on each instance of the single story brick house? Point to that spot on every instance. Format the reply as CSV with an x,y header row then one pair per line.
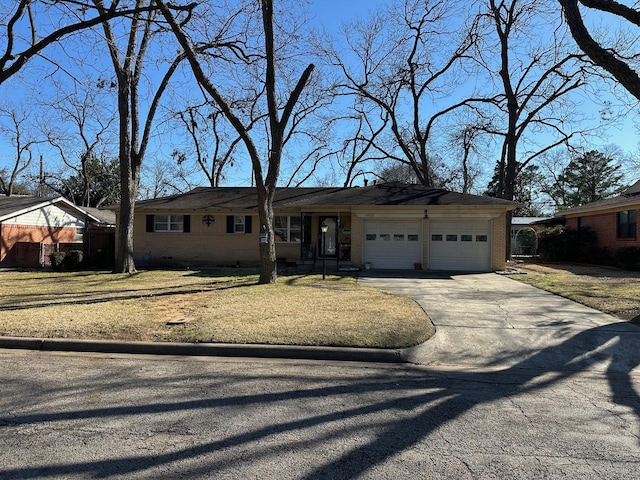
x,y
614,220
33,227
383,226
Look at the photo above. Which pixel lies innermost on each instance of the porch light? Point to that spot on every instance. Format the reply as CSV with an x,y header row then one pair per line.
x,y
324,228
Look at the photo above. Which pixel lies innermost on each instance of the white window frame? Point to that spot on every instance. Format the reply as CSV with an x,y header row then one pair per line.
x,y
176,221
79,235
239,224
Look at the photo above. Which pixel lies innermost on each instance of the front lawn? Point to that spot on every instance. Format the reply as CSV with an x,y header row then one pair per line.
x,y
224,306
610,290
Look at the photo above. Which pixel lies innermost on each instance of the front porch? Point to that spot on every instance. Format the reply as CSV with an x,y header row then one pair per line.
x,y
330,264
319,235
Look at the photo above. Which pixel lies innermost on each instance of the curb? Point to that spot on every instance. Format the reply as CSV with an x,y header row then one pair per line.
x,y
205,349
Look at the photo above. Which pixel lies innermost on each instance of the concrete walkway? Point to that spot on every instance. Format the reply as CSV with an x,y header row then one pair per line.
x,y
489,320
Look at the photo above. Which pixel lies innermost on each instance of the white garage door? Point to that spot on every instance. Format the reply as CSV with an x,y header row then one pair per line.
x,y
462,246
389,244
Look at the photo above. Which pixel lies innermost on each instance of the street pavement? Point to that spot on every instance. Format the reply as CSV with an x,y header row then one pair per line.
x,y
516,383
86,416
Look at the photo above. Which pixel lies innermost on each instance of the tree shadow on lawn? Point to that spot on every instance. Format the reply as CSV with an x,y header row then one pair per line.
x,y
427,400
91,298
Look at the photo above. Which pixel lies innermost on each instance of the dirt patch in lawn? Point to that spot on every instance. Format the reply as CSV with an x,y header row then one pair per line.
x,y
610,290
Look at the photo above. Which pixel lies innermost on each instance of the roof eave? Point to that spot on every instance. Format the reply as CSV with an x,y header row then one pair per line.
x,y
50,201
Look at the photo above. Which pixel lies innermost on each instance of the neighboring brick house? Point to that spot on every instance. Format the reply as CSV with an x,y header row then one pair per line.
x,y
614,220
32,227
385,226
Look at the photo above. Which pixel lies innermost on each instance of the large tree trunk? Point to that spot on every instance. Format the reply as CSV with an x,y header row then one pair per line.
x,y
265,186
268,264
129,180
124,255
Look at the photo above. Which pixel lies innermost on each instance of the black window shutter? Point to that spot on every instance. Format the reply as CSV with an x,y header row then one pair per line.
x,y
230,223
247,224
150,222
186,223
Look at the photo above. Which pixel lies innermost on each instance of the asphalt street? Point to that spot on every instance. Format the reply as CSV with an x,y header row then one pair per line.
x,y
78,416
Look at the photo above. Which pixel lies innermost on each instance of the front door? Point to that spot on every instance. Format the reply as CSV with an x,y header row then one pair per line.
x,y
330,238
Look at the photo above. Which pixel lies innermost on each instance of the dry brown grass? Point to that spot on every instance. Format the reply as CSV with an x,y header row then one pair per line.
x,y
610,290
216,307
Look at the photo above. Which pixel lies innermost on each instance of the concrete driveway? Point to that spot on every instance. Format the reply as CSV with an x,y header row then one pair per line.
x,y
489,320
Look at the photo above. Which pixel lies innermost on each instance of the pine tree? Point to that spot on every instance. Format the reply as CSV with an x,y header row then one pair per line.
x,y
527,182
591,177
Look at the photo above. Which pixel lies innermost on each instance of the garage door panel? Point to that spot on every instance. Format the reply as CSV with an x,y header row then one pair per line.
x,y
391,245
461,246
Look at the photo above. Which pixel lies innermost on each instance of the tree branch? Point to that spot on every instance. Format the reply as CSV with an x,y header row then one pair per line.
x,y
605,58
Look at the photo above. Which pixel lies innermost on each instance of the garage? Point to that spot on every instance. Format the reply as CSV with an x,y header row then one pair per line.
x,y
392,244
460,245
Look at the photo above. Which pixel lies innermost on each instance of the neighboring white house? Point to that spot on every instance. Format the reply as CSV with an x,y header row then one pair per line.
x,y
29,226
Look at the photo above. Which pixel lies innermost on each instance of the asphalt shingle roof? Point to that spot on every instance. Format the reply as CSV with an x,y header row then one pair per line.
x,y
384,194
621,201
14,204
9,205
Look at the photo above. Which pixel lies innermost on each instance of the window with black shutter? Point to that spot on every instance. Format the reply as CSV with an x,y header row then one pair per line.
x,y
239,224
169,223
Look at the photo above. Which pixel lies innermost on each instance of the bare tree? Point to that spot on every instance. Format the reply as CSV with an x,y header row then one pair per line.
x,y
24,38
278,117
310,134
408,58
536,83
80,129
536,79
211,146
553,185
128,60
359,154
23,139
465,140
615,59
164,177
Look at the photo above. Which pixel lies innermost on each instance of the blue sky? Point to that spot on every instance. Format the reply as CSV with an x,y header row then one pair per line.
x,y
331,14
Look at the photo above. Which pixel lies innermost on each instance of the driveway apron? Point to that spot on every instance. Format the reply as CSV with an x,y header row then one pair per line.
x,y
491,321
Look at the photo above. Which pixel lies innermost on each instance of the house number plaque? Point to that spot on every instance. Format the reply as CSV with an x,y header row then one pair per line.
x,y
208,220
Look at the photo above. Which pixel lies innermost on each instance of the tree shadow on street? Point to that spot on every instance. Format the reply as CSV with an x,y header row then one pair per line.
x,y
427,398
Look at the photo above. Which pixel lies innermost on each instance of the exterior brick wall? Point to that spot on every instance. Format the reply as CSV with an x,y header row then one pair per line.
x,y
12,234
606,229
209,242
499,246
203,244
425,244
357,236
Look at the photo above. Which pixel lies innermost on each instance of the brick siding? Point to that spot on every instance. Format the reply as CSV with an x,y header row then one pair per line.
x,y
12,234
606,229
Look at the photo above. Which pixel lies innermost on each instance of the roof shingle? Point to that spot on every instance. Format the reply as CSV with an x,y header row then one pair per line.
x,y
384,194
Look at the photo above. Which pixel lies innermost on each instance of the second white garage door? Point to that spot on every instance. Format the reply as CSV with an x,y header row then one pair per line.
x,y
390,244
461,246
